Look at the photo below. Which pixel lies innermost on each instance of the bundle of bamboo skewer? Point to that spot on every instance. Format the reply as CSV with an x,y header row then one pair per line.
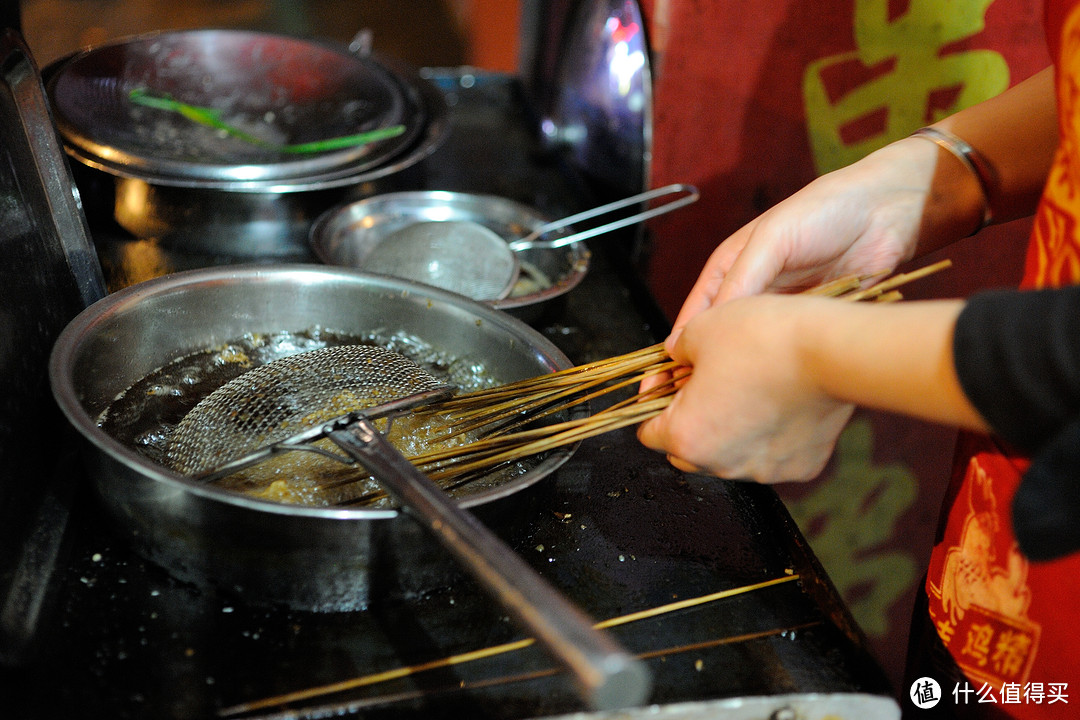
x,y
514,421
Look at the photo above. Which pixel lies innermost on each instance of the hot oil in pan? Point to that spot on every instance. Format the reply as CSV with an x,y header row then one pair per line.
x,y
144,416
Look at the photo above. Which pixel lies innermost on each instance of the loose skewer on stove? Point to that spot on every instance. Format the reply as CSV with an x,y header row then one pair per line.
x,y
377,678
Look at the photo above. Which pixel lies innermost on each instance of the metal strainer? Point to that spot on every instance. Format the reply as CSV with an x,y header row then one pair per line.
x,y
457,255
286,402
471,259
329,392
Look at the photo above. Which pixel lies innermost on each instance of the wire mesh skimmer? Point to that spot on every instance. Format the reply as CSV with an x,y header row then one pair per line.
x,y
471,259
335,393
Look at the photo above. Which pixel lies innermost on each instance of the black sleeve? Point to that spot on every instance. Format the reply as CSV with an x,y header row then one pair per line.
x,y
1017,356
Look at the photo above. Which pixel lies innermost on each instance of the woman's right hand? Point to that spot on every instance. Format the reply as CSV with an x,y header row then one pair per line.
x,y
864,219
907,198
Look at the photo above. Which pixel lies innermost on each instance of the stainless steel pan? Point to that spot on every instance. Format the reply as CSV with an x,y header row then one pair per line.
x,y
303,557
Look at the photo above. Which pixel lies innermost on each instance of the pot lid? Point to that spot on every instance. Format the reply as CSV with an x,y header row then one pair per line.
x,y
270,90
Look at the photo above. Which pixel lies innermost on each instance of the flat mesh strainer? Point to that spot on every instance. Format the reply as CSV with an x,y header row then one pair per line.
x,y
282,399
457,255
471,259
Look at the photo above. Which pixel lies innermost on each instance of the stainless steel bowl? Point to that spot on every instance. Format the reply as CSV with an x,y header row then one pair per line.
x,y
304,557
346,234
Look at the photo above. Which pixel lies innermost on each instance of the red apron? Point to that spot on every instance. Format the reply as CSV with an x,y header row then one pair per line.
x,y
1001,633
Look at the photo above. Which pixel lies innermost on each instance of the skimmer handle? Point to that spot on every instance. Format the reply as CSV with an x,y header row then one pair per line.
x,y
607,676
689,194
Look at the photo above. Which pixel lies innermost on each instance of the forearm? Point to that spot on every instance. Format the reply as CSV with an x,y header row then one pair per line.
x,y
897,358
1015,134
1006,361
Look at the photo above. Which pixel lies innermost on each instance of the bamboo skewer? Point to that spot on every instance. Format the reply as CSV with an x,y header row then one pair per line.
x,y
571,432
499,416
488,652
896,281
837,287
351,707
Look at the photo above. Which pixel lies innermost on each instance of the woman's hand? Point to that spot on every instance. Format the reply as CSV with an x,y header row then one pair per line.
x,y
748,409
908,198
773,379
864,219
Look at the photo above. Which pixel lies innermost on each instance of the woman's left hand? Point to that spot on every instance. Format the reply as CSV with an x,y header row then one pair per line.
x,y
748,409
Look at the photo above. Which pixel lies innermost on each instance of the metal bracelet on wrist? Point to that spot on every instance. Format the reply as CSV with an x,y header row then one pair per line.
x,y
967,155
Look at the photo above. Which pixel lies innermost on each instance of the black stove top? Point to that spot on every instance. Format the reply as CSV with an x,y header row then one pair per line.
x,y
617,529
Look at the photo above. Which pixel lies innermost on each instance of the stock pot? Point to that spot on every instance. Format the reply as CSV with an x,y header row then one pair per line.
x,y
192,187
